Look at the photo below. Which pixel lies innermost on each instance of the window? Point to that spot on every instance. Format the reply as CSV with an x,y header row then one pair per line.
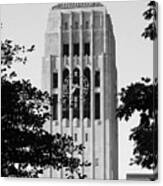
x,y
65,99
66,26
87,49
76,49
55,107
97,105
76,137
75,102
76,74
53,61
55,80
76,93
97,79
76,25
96,162
66,50
86,137
86,93
87,24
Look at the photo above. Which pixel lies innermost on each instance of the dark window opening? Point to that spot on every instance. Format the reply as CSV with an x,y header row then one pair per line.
x,y
87,24
65,99
76,49
65,74
86,137
76,137
65,108
66,26
76,79
55,107
76,93
87,49
76,25
66,50
76,105
55,80
97,79
97,105
86,94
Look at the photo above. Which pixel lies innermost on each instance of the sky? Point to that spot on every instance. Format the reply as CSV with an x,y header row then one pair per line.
x,y
26,24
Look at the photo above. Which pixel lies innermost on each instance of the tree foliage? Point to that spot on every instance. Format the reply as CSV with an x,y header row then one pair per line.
x,y
141,97
151,15
28,149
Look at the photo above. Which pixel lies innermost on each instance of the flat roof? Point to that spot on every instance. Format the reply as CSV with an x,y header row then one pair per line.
x,y
76,5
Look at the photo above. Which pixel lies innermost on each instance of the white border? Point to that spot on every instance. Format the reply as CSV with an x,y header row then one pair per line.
x,y
59,182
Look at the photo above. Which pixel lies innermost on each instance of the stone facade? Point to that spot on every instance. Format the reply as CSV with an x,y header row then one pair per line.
x,y
79,40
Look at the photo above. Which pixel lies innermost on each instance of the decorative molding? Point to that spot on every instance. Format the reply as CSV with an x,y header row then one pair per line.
x,y
76,5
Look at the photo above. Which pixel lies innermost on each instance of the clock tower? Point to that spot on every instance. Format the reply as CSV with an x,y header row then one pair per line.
x,y
79,71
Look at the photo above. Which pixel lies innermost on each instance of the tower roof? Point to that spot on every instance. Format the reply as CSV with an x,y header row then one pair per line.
x,y
76,5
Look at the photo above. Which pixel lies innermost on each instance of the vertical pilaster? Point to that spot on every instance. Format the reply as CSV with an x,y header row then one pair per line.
x,y
51,107
92,95
106,129
104,31
102,113
60,76
60,82
102,94
71,76
81,80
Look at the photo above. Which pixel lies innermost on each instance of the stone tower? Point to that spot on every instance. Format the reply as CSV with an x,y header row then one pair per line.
x,y
79,70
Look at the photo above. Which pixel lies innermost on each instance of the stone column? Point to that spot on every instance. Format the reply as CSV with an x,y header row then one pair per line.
x,y
70,76
60,82
81,80
60,77
104,31
51,107
92,95
106,129
102,113
103,95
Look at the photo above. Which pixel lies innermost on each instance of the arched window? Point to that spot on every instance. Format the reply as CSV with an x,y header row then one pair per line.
x,y
76,93
65,98
76,25
86,93
87,24
76,76
66,26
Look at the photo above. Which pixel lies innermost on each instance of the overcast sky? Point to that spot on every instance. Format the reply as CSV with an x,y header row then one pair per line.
x,y
26,23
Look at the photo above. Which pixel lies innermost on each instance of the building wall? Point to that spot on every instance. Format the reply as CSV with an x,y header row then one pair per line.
x,y
99,136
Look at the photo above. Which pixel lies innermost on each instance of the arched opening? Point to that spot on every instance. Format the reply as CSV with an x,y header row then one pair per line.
x,y
86,93
65,97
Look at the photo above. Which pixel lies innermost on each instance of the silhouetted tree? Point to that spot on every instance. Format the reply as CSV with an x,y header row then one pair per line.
x,y
28,149
142,97
151,15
